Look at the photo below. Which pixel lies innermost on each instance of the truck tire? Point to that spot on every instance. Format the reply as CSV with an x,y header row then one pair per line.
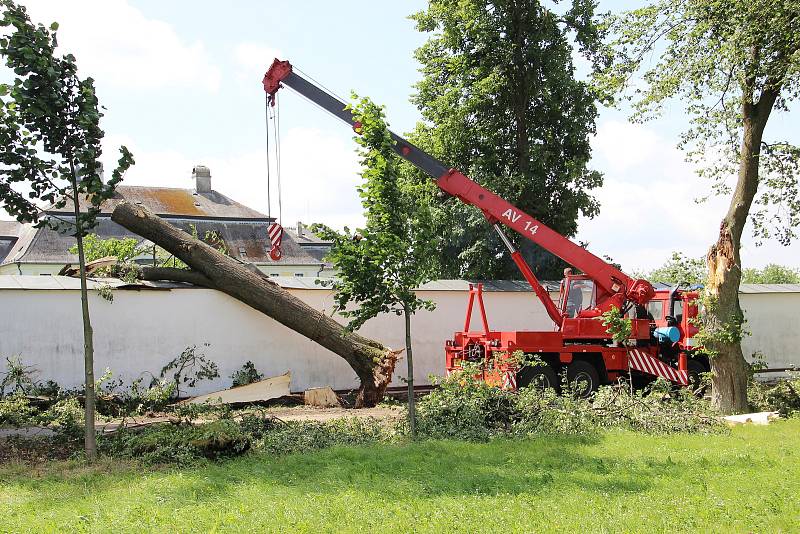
x,y
538,376
583,378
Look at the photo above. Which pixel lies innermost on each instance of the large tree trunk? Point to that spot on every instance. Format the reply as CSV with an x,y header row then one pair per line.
x,y
724,316
372,362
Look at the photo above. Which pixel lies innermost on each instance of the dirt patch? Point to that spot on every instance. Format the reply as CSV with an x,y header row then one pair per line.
x,y
284,413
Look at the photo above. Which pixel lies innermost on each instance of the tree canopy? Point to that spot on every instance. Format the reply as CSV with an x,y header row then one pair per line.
x,y
730,63
381,264
500,101
49,127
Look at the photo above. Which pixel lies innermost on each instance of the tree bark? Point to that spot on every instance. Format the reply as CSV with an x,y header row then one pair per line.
x,y
372,361
412,401
89,433
728,366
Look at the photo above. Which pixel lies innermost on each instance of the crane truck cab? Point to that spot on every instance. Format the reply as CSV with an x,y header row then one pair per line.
x,y
676,307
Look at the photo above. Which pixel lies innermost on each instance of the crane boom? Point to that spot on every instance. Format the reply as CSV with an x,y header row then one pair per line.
x,y
616,286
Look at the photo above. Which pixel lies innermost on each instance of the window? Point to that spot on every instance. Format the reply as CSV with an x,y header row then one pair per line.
x,y
242,251
677,310
655,308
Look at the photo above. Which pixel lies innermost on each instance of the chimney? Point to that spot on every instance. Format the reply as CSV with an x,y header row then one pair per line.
x,y
299,229
101,172
202,178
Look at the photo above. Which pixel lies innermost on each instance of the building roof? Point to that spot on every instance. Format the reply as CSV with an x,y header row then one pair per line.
x,y
306,237
769,288
10,228
166,201
243,230
243,239
310,243
9,234
6,244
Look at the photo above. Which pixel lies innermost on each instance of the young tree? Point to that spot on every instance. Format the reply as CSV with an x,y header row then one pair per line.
x,y
733,62
501,103
380,265
50,148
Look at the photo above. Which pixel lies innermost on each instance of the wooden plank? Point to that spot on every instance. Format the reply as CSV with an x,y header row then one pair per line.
x,y
269,388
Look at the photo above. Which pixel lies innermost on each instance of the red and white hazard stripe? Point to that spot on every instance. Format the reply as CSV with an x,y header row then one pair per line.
x,y
275,232
641,361
510,380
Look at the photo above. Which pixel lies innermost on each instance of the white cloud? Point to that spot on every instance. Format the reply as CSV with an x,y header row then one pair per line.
x,y
624,145
319,175
119,46
253,59
648,207
161,168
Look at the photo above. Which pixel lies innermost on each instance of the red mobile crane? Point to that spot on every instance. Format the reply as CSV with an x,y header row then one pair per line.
x,y
580,344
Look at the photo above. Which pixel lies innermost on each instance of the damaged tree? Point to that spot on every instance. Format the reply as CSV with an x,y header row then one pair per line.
x,y
372,362
734,63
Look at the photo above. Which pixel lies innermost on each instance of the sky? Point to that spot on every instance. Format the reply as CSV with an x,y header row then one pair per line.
x,y
181,84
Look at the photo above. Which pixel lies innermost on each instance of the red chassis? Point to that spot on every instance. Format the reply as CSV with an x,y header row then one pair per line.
x,y
581,347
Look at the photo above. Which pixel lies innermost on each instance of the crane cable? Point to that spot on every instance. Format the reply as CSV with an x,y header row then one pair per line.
x,y
275,230
269,186
276,124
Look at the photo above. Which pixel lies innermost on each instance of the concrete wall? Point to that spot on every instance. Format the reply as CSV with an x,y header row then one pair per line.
x,y
773,320
142,330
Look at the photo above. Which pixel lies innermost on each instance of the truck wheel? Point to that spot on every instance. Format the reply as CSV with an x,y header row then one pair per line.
x,y
583,378
540,377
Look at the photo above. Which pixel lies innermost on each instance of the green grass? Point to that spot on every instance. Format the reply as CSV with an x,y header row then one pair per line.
x,y
748,481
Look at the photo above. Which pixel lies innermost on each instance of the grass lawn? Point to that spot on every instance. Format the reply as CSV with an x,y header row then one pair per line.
x,y
748,481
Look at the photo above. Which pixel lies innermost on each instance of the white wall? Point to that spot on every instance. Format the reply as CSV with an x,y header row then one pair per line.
x,y
774,324
142,330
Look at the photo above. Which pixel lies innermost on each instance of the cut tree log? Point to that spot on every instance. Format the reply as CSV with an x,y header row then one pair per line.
x,y
371,360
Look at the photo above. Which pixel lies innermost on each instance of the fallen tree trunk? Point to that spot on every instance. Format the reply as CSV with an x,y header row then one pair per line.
x,y
372,361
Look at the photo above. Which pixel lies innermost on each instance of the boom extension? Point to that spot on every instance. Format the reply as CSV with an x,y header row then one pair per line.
x,y
616,285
